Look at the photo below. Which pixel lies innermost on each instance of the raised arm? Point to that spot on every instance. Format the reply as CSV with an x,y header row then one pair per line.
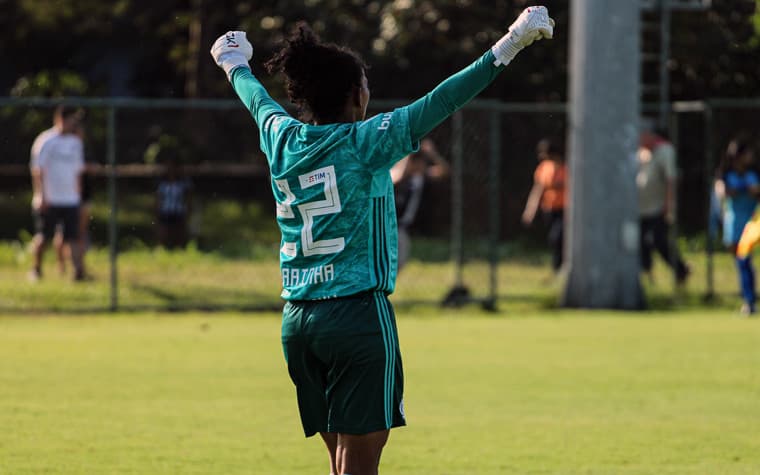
x,y
429,111
254,96
231,52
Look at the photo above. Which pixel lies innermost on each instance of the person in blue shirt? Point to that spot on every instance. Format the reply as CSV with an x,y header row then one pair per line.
x,y
741,185
330,177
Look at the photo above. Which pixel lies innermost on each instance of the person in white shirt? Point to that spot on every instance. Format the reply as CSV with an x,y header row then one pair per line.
x,y
57,163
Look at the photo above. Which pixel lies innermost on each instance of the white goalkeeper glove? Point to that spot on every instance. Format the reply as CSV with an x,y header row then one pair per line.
x,y
232,50
532,25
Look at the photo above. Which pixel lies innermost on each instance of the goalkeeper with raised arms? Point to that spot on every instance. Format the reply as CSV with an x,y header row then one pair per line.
x,y
334,197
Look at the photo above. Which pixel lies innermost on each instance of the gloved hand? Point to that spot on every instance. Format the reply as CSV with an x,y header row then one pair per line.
x,y
232,50
532,25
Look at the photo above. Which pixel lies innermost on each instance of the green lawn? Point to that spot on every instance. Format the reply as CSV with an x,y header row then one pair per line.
x,y
554,392
247,278
531,389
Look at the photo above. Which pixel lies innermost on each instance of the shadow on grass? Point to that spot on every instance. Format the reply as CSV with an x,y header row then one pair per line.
x,y
143,308
232,300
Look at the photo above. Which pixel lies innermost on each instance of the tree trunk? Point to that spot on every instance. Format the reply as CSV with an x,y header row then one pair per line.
x,y
603,229
194,50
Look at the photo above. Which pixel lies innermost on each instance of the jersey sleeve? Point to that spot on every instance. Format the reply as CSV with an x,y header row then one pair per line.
x,y
429,111
385,139
268,114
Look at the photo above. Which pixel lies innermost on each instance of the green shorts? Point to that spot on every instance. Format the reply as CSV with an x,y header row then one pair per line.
x,y
344,359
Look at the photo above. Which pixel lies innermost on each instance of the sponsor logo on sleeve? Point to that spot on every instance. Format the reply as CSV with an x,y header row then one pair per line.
x,y
385,121
274,123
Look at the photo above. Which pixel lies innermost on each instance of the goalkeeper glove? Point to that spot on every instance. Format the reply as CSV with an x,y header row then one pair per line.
x,y
232,50
532,25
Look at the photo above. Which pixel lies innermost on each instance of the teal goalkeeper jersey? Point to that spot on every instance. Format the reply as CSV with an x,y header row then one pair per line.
x,y
335,205
332,184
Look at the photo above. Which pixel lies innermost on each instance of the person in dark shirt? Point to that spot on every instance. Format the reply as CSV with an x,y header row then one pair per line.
x,y
173,204
409,176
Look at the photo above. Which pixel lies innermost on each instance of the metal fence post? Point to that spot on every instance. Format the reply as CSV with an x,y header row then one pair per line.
x,y
457,197
709,167
113,202
675,252
494,217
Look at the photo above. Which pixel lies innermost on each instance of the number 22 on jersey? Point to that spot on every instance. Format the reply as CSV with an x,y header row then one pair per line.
x,y
310,210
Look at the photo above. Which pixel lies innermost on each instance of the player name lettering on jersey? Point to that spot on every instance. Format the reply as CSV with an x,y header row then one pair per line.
x,y
313,275
386,121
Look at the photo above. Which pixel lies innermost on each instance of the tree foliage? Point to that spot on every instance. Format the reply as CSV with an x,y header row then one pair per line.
x,y
145,48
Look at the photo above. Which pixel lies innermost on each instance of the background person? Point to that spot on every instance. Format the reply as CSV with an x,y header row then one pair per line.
x,y
656,182
741,185
173,206
331,180
62,251
57,163
409,176
549,193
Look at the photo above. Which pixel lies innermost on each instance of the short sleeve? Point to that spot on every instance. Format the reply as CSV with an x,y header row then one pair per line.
x,y
40,160
733,181
666,155
80,156
542,173
34,159
385,139
752,179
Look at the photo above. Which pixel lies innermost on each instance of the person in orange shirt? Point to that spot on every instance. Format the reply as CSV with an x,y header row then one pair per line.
x,y
548,194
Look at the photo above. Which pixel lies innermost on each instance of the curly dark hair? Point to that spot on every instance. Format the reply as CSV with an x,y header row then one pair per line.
x,y
319,77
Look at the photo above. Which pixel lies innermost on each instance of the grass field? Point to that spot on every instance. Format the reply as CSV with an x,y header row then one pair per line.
x,y
531,389
561,392
248,279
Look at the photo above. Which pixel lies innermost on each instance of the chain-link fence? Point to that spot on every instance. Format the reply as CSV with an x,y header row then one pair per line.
x,y
468,223
723,120
701,131
458,237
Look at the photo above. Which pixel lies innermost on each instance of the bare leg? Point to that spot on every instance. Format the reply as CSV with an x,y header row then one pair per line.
x,y
360,454
60,252
331,441
84,236
76,259
38,250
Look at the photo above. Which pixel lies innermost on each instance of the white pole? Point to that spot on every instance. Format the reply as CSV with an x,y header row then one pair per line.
x,y
603,231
